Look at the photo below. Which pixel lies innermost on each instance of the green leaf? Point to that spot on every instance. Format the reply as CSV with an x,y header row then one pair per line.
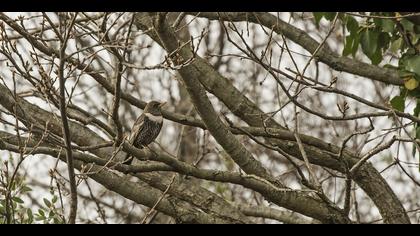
x,y
25,189
369,42
348,45
30,215
352,25
51,214
404,73
376,58
416,110
351,45
383,40
387,25
54,199
415,38
377,21
412,64
414,93
396,45
46,202
407,25
416,29
318,16
57,220
41,212
18,200
329,15
398,103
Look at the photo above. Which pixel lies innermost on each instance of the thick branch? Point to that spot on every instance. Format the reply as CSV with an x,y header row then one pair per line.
x,y
202,104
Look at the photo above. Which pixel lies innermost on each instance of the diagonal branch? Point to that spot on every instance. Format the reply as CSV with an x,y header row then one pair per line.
x,y
66,130
325,54
202,104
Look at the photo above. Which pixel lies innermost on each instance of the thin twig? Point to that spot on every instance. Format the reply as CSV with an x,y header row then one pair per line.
x,y
66,130
371,153
308,165
382,17
321,44
159,200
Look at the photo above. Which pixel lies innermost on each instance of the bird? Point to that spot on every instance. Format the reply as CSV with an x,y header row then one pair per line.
x,y
146,128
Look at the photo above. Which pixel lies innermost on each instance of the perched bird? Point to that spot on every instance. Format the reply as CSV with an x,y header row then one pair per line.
x,y
146,128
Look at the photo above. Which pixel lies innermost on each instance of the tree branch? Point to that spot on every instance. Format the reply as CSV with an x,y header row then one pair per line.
x,y
66,130
325,54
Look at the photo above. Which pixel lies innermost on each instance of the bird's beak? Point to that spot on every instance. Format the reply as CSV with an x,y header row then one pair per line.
x,y
162,104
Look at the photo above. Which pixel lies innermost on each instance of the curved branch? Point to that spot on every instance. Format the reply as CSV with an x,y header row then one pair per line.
x,y
300,37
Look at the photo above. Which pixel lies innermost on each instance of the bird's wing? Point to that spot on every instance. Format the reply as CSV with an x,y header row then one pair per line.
x,y
135,131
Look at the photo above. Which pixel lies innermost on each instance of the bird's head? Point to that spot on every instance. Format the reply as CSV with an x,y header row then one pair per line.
x,y
154,108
